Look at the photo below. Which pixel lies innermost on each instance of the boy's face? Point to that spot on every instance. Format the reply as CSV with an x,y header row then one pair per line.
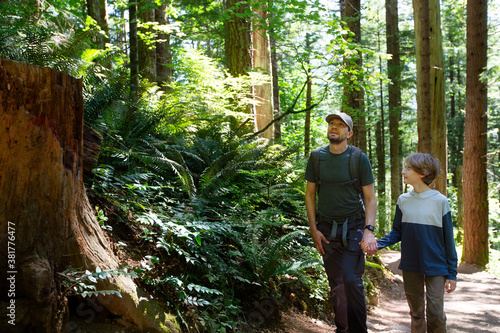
x,y
411,177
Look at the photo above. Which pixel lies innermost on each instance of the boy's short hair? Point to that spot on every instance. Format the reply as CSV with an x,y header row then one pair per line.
x,y
424,164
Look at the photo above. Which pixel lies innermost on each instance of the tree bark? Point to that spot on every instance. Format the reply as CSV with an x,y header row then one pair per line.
x,y
276,87
394,74
263,93
475,184
93,11
103,15
145,43
354,97
380,151
46,220
238,45
133,53
163,51
439,138
239,40
422,48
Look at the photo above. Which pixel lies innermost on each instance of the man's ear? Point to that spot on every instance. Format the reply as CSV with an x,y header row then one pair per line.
x,y
349,134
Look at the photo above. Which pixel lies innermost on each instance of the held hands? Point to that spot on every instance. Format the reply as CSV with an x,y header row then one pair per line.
x,y
369,243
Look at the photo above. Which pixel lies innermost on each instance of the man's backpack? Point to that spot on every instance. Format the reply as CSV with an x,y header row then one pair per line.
x,y
354,162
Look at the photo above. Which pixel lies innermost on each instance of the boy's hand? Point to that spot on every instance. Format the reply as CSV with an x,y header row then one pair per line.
x,y
450,285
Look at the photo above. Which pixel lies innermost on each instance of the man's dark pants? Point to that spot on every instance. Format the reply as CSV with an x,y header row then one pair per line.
x,y
344,267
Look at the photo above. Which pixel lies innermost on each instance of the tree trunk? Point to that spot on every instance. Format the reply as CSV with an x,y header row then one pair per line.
x,y
239,40
394,74
163,51
145,44
439,139
380,150
276,87
133,53
263,93
238,46
475,184
46,220
307,122
103,15
93,11
422,48
353,91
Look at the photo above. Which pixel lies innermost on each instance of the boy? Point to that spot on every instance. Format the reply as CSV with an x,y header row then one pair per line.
x,y
423,224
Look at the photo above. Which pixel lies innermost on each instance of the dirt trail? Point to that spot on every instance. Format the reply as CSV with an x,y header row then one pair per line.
x,y
473,307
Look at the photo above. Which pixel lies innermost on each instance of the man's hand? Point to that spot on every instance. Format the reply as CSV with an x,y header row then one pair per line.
x,y
450,285
318,237
369,243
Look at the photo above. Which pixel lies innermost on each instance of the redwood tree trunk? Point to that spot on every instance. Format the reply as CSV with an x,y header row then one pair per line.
x,y
422,47
394,73
146,51
354,97
475,184
439,140
262,63
46,222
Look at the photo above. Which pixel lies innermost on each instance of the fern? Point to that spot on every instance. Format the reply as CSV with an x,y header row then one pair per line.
x,y
267,255
83,282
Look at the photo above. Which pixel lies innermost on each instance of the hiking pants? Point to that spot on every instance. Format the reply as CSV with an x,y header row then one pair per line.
x,y
344,267
416,297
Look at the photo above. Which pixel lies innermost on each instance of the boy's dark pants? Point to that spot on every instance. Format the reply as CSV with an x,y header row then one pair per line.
x,y
344,267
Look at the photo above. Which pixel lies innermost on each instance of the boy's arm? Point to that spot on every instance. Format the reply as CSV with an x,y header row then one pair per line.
x,y
395,235
451,252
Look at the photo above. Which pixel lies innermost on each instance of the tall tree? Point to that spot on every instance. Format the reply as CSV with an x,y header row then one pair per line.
x,y
238,45
133,52
239,38
439,140
422,48
353,91
103,20
431,112
307,122
94,12
145,42
276,87
394,74
475,184
263,93
164,70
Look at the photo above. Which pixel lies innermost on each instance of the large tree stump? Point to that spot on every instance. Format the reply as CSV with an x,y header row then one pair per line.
x,y
46,222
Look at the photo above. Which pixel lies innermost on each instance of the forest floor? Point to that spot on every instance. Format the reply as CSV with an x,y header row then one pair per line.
x,y
473,307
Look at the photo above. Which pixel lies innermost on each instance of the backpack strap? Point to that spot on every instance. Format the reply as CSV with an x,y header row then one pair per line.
x,y
315,164
354,162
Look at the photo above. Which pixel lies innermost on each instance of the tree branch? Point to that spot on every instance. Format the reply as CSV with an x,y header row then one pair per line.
x,y
289,110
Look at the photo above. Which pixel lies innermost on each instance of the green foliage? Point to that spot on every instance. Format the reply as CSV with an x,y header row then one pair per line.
x,y
77,282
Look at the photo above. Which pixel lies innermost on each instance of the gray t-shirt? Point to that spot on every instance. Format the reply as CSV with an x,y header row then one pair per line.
x,y
338,200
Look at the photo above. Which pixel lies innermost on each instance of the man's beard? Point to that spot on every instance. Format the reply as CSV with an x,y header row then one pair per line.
x,y
335,140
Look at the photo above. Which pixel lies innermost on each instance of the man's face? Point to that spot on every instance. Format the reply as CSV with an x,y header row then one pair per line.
x,y
338,131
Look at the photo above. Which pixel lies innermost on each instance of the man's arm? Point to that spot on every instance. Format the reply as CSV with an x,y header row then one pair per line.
x,y
369,242
317,235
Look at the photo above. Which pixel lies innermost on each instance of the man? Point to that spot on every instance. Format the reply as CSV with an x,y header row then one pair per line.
x,y
340,223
